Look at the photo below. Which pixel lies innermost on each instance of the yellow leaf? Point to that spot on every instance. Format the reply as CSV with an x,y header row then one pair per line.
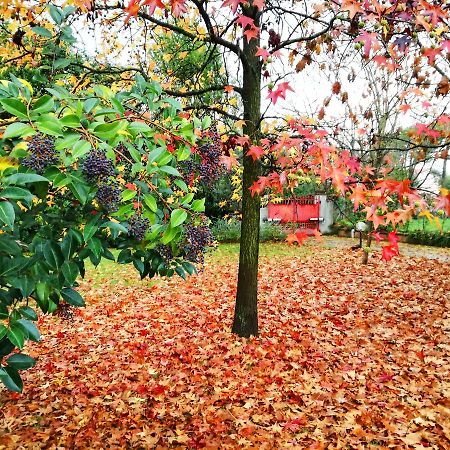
x,y
7,162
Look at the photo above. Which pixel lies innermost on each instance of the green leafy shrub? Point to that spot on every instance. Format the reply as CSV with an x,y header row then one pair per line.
x,y
271,232
429,238
230,231
226,231
80,176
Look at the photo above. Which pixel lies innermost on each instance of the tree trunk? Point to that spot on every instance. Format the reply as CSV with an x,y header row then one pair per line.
x,y
246,309
365,259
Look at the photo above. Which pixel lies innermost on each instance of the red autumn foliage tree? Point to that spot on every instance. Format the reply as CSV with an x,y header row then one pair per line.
x,y
263,40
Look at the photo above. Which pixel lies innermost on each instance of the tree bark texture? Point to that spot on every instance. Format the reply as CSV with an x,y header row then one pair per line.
x,y
246,309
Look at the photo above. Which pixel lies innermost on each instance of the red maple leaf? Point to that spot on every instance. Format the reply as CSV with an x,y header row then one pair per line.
x,y
251,33
255,152
370,40
378,237
132,9
228,161
443,202
388,252
242,140
301,236
263,52
233,4
256,188
430,54
291,239
178,7
279,92
393,238
244,21
352,7
153,4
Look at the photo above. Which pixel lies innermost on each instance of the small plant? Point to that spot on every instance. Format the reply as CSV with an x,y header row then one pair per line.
x,y
230,231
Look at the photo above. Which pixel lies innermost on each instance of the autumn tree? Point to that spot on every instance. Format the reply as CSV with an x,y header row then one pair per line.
x,y
261,42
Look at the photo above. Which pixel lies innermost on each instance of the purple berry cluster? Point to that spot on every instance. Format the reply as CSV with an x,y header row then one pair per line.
x,y
187,170
165,252
42,153
138,226
97,166
210,168
108,196
207,164
198,238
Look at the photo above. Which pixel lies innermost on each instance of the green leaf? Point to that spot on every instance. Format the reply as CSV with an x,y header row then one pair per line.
x,y
118,106
70,271
42,291
170,170
189,268
168,235
28,313
49,125
25,284
90,104
18,129
24,178
180,271
96,246
13,266
198,205
3,313
71,121
206,122
43,104
128,194
3,331
72,297
16,193
177,217
16,335
80,149
61,63
56,14
183,154
53,255
11,379
9,246
69,245
89,230
30,329
182,185
42,32
7,214
108,130
19,361
125,256
67,142
150,201
15,107
115,226
139,127
155,154
79,189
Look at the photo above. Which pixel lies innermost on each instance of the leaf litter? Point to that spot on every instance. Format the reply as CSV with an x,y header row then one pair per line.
x,y
349,356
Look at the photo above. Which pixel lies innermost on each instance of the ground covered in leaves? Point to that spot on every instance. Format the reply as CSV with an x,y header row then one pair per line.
x,y
349,356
